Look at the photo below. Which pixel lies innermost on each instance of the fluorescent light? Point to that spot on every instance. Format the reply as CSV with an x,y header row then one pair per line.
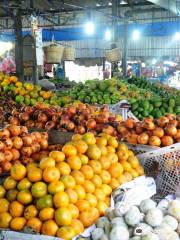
x,y
136,35
110,3
89,28
108,34
177,36
123,2
154,61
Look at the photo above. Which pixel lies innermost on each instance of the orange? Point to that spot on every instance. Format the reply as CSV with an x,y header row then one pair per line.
x,y
35,175
46,214
74,162
96,180
101,141
31,166
30,212
51,174
96,166
64,168
47,162
76,137
91,199
93,152
99,194
115,170
4,205
58,156
5,219
68,181
87,171
74,211
49,228
83,205
106,189
86,218
114,183
107,201
24,184
110,149
2,191
80,191
81,146
122,179
105,162
66,233
123,147
128,176
102,206
89,186
9,183
140,170
35,224
122,155
134,173
78,176
103,150
105,176
11,195
73,197
126,166
84,159
69,150
95,213
130,153
112,142
16,209
89,138
133,161
24,197
55,187
61,199
18,171
113,158
39,189
18,223
77,226
63,216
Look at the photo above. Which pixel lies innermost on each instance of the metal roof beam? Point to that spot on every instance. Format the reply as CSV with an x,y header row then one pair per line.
x,y
172,6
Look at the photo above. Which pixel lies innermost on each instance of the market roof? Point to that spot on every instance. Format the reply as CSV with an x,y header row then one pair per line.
x,y
27,6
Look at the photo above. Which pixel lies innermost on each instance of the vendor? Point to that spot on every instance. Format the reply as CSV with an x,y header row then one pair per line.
x,y
59,71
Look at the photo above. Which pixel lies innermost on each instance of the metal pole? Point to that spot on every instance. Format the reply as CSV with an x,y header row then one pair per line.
x,y
125,49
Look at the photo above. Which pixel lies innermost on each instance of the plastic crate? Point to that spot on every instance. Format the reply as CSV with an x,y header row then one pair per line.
x,y
164,165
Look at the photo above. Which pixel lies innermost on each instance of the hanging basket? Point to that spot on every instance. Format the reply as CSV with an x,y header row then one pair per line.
x,y
113,55
69,54
54,53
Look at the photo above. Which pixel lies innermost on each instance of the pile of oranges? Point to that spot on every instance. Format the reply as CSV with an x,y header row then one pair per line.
x,y
68,190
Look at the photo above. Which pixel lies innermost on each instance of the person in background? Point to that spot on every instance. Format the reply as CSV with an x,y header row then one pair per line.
x,y
59,71
106,74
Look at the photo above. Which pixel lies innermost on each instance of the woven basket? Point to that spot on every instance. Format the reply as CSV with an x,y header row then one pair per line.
x,y
69,54
54,53
164,165
113,55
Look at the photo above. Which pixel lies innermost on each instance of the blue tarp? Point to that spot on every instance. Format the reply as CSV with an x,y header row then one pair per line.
x,y
78,33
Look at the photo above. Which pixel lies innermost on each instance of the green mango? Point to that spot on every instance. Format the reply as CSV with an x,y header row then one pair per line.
x,y
171,102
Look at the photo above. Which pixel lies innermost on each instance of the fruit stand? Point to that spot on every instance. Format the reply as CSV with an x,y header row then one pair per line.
x,y
63,155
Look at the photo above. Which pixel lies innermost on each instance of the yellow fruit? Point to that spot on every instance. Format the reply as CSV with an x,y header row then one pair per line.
x,y
55,187
18,223
61,199
133,161
46,214
63,216
58,156
106,189
9,183
68,181
5,219
24,197
18,171
4,205
16,209
34,224
2,191
47,162
66,232
30,212
64,168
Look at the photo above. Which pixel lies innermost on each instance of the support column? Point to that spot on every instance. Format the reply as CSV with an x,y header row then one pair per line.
x,y
18,45
125,49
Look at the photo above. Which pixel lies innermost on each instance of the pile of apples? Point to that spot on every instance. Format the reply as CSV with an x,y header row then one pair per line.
x,y
161,132
78,119
17,145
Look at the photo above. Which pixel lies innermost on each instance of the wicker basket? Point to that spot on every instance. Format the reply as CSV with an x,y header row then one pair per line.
x,y
164,165
113,55
54,53
69,54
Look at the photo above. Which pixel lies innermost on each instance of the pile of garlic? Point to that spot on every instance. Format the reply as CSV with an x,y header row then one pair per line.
x,y
148,221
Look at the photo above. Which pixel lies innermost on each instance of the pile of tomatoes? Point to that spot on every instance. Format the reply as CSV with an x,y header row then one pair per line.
x,y
68,190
